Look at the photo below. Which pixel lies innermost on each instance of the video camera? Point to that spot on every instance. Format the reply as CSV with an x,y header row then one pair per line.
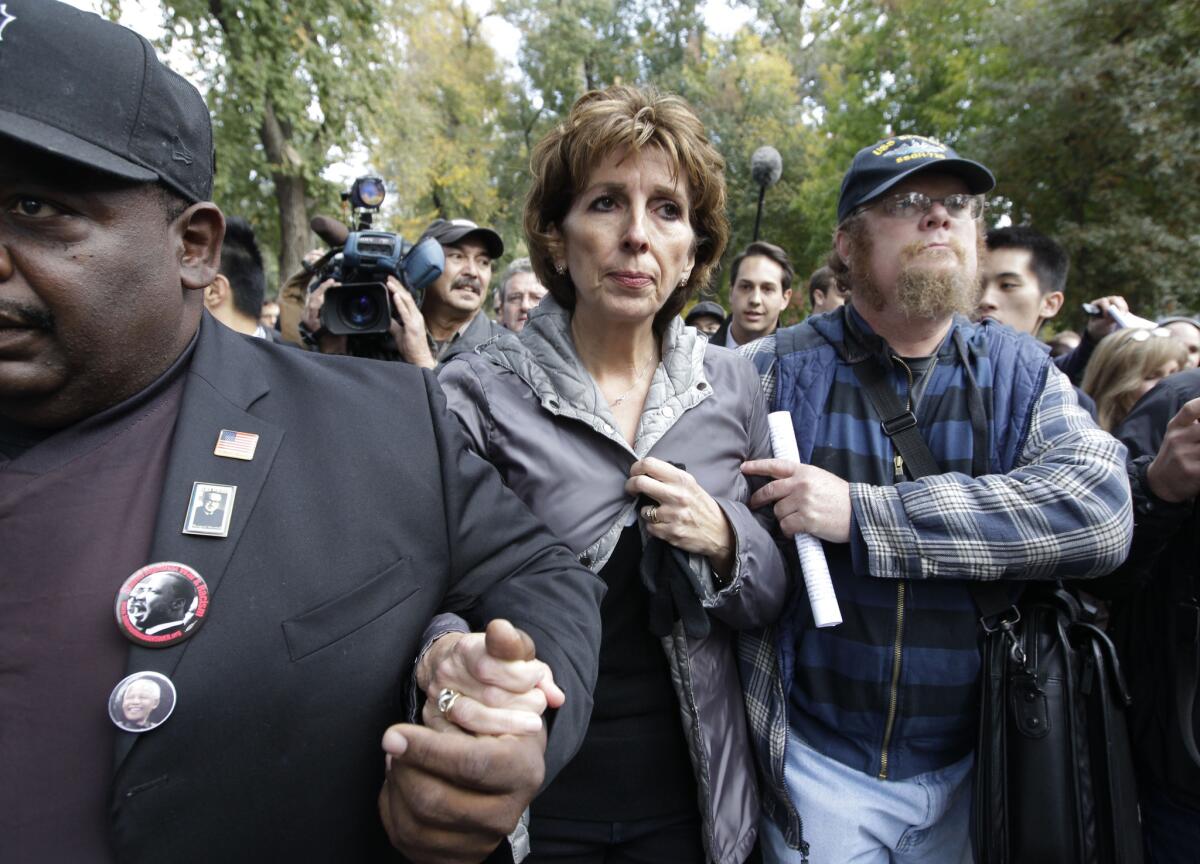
x,y
361,261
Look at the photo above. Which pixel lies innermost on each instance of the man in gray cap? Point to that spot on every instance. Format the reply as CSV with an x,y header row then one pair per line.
x,y
867,729
451,315
358,516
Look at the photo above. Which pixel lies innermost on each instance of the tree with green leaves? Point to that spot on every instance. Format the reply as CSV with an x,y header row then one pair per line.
x,y
287,81
1093,141
437,134
866,69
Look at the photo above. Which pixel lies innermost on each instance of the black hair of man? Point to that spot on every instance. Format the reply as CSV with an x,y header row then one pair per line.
x,y
242,265
767,250
1047,259
822,279
173,203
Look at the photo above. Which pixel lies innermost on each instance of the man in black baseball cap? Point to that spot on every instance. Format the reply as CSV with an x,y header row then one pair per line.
x,y
1017,466
352,516
451,316
58,96
451,232
706,316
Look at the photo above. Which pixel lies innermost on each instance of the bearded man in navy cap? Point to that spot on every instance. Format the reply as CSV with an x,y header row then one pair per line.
x,y
866,730
359,514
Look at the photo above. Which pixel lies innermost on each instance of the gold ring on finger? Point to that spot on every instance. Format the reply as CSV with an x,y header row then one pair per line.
x,y
446,700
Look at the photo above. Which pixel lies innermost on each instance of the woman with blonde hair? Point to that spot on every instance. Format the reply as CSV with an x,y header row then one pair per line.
x,y
625,431
1126,365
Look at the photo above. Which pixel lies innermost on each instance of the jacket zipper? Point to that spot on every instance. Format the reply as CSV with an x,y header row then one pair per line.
x,y
894,693
894,689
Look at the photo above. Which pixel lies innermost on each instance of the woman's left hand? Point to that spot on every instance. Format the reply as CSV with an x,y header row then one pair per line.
x,y
685,516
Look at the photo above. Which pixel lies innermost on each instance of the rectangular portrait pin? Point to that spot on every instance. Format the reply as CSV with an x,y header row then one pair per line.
x,y
210,510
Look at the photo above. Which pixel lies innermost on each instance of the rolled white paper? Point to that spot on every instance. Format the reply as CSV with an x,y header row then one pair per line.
x,y
825,609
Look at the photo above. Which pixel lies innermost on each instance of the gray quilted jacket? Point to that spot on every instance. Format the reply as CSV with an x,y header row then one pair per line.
x,y
530,408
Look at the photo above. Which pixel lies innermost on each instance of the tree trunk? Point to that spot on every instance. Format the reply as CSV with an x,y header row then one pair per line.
x,y
295,237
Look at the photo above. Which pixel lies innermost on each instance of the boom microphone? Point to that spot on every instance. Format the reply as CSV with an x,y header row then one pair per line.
x,y
766,166
330,230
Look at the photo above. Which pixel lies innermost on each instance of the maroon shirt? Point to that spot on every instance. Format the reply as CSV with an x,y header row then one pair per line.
x,y
77,512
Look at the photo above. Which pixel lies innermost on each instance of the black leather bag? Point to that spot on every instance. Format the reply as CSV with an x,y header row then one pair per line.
x,y
1054,780
1054,777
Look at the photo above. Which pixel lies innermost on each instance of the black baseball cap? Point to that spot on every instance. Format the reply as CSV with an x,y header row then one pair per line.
x,y
705,307
451,231
878,168
93,92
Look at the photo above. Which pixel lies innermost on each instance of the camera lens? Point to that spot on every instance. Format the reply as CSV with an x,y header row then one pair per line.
x,y
357,307
360,310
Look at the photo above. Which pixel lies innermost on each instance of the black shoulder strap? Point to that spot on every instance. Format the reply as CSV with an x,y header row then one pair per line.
x,y
900,424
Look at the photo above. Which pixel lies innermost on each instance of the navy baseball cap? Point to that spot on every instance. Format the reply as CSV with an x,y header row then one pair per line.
x,y
878,168
93,92
451,231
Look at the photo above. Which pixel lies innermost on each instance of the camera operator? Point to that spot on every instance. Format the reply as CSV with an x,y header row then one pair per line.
x,y
449,319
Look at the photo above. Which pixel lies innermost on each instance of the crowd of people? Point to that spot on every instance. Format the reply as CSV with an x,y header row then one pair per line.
x,y
523,585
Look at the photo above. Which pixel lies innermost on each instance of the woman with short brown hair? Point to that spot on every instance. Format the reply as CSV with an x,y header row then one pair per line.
x,y
624,431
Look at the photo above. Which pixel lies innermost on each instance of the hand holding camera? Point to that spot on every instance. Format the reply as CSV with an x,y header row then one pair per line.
x,y
353,298
408,326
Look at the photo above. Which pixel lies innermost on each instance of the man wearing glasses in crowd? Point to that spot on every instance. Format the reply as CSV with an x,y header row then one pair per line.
x,y
878,713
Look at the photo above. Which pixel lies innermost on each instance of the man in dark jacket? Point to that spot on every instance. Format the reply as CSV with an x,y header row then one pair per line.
x,y
452,311
1156,614
353,513
760,288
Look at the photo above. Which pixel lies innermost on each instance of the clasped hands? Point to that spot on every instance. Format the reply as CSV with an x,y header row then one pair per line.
x,y
457,785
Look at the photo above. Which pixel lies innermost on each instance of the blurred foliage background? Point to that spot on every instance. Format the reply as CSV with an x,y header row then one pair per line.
x,y
1086,111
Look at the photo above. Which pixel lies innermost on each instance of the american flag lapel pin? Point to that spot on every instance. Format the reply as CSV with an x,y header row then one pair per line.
x,y
236,445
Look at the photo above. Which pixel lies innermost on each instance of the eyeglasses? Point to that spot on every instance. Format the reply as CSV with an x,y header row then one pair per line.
x,y
1144,334
907,205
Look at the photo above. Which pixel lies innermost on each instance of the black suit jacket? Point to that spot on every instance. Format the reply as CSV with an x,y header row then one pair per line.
x,y
361,515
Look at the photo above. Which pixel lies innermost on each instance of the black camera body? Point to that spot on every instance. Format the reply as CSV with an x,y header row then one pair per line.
x,y
361,303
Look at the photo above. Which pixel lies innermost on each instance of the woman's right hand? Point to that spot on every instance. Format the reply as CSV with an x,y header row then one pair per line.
x,y
502,689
